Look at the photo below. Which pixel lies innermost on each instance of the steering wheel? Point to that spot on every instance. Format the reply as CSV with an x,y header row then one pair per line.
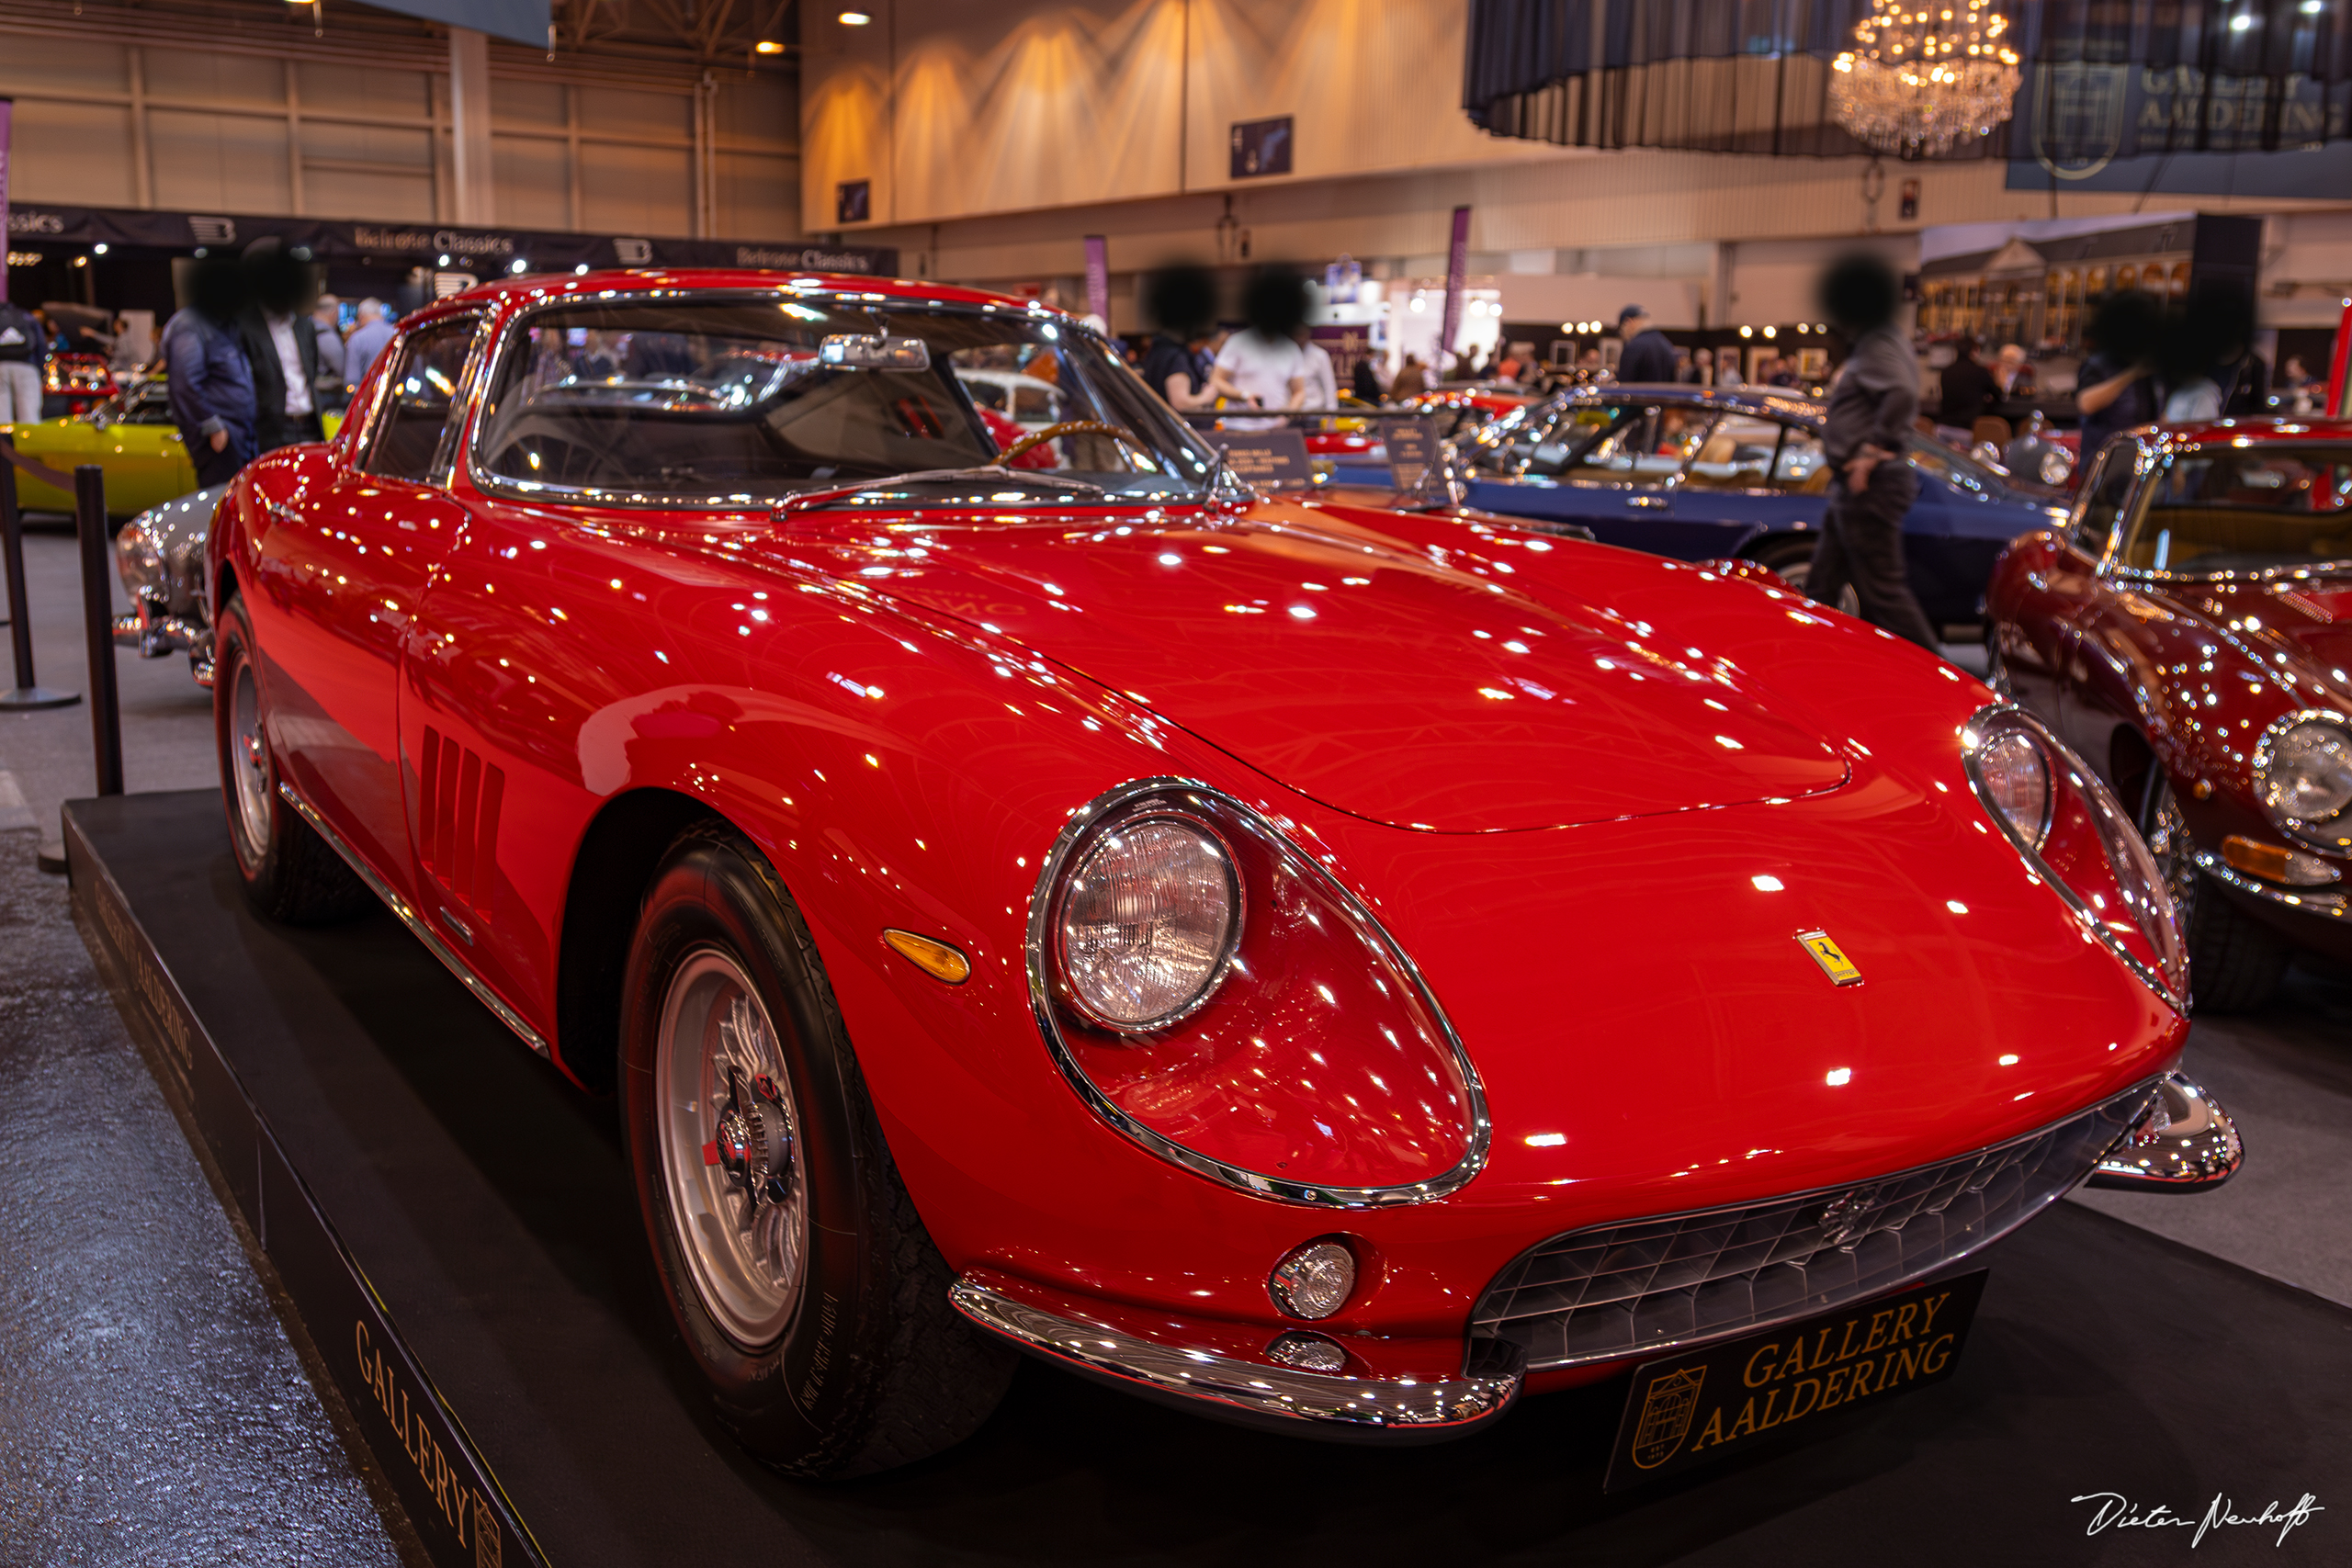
x,y
1036,439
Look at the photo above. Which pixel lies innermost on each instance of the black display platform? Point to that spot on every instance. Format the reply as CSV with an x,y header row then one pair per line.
x,y
448,1214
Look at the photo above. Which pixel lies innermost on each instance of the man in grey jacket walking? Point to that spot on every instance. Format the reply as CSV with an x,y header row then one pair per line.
x,y
1871,409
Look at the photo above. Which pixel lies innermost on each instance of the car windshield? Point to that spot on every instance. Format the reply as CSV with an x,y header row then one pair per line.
x,y
2253,508
732,400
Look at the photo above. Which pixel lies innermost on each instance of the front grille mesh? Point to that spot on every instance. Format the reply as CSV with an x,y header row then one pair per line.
x,y
1612,1292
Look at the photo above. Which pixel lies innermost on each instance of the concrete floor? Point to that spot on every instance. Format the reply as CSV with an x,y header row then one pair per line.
x,y
199,1439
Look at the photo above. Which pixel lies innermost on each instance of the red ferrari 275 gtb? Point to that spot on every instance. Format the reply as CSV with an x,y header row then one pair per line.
x,y
1331,967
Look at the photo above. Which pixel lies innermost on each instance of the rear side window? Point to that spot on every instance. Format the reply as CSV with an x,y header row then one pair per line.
x,y
419,400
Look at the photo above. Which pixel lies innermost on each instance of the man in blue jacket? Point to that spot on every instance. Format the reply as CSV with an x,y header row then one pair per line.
x,y
211,380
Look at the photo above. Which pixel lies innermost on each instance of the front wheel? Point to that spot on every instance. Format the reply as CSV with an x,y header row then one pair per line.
x,y
809,1293
290,873
2234,962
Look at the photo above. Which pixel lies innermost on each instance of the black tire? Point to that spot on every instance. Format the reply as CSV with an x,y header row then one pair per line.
x,y
1790,559
871,1367
290,873
2235,963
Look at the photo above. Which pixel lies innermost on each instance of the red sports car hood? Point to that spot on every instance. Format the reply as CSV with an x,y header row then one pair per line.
x,y
2308,619
1412,684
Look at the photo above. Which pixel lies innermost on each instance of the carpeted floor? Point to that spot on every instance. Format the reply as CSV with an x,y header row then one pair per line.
x,y
151,1408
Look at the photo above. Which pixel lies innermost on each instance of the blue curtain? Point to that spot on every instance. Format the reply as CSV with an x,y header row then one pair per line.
x,y
2103,78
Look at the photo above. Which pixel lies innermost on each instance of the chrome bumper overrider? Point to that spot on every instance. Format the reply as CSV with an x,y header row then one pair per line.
x,y
1308,1404
2186,1143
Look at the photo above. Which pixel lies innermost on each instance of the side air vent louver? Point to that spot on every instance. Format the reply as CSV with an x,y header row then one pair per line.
x,y
459,798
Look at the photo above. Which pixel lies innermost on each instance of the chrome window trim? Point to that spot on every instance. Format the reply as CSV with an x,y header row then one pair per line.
x,y
416,923
460,401
1041,1003
2258,763
493,363
2091,924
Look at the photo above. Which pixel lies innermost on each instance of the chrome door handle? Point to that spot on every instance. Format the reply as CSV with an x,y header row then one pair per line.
x,y
1648,500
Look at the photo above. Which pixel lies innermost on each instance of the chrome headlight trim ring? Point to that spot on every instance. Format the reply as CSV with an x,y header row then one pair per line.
x,y
1231,813
1972,736
2328,833
1059,964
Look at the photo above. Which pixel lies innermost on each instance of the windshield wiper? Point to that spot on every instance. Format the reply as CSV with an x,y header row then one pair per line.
x,y
806,499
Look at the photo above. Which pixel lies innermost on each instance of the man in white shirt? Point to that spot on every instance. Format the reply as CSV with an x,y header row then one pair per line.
x,y
1262,371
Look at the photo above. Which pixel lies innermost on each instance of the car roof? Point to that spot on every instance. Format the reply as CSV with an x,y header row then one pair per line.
x,y
548,287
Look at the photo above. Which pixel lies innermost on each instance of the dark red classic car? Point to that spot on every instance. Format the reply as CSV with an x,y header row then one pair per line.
x,y
1325,966
2180,634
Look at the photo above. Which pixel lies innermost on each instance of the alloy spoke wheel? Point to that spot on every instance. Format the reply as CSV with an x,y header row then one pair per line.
x,y
249,764
729,1149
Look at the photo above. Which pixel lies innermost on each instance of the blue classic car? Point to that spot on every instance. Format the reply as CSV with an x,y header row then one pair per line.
x,y
1697,473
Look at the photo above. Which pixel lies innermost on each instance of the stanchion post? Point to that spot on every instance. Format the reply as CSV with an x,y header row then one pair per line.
x,y
27,693
97,624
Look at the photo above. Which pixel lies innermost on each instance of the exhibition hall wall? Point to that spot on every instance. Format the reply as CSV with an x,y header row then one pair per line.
x,y
992,140
339,127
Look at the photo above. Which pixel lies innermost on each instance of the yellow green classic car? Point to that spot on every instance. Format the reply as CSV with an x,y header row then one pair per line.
x,y
130,436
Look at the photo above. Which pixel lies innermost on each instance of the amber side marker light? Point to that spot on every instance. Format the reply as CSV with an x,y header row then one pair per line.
x,y
2276,863
933,957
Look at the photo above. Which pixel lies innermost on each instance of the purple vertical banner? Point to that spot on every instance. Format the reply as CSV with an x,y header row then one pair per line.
x,y
7,104
1098,279
1457,266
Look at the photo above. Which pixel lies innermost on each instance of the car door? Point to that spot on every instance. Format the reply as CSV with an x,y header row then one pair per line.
x,y
514,647
344,549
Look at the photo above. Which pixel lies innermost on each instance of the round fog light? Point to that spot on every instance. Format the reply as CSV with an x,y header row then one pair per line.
x,y
1308,1352
1314,1280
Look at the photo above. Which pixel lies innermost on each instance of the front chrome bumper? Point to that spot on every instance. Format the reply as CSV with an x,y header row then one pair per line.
x,y
1259,1393
2186,1143
156,634
2173,1137
2327,903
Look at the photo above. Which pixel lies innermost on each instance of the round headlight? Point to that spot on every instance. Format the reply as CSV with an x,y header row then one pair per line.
x,y
2306,772
1147,922
2016,771
2055,465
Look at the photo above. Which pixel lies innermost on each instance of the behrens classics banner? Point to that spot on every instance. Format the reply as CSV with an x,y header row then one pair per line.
x,y
483,252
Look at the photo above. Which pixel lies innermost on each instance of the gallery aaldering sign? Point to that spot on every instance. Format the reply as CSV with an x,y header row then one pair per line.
x,y
1688,1410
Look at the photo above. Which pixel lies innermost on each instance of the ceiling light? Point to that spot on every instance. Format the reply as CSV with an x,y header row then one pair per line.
x,y
99,249
854,18
767,46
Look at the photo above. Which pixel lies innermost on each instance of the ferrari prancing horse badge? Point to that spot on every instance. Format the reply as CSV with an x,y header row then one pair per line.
x,y
1831,957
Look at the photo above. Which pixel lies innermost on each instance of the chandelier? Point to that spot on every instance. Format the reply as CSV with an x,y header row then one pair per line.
x,y
1923,73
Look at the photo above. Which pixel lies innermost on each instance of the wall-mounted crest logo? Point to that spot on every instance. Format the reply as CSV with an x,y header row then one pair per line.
x,y
2078,116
